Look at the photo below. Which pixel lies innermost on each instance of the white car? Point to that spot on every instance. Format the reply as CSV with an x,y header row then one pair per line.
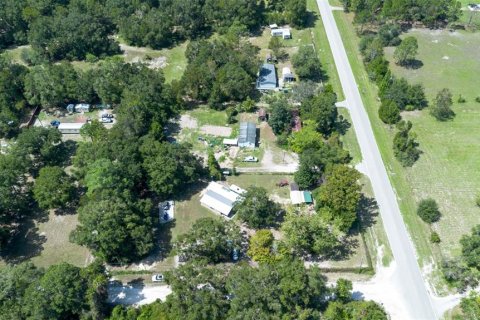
x,y
106,120
250,159
158,278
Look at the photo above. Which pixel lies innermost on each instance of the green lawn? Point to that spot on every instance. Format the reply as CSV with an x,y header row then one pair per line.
x,y
349,139
47,242
187,211
267,181
207,116
320,40
448,170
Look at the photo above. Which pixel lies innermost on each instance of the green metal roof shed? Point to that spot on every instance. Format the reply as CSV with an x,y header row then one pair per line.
x,y
307,196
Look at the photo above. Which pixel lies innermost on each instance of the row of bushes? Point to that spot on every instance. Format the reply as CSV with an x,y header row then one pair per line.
x,y
396,94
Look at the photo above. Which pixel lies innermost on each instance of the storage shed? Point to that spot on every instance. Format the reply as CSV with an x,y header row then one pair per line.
x,y
285,33
248,135
287,75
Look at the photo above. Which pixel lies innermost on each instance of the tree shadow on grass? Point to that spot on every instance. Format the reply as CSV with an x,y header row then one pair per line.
x,y
413,64
191,191
346,248
26,244
310,19
342,125
367,214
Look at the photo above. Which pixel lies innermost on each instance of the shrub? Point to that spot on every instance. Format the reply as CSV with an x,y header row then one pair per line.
x,y
477,200
435,238
461,99
428,210
389,112
477,99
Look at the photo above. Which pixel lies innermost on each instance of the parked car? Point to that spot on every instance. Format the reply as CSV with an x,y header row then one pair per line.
x,y
166,217
55,123
107,115
250,159
106,120
226,172
235,255
158,278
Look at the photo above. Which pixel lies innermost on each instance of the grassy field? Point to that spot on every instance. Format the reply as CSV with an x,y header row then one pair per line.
x,y
46,242
448,168
267,181
208,116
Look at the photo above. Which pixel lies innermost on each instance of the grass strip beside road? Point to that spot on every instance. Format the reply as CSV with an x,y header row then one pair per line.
x,y
322,46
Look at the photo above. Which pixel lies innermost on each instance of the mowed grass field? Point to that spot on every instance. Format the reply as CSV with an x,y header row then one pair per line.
x,y
448,169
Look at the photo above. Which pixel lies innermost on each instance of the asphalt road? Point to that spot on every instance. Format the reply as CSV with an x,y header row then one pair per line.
x,y
410,286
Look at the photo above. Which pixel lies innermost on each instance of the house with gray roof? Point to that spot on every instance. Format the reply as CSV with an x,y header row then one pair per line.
x,y
248,135
267,77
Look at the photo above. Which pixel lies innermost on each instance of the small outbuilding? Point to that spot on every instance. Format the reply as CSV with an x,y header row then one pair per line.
x,y
287,75
70,128
230,142
299,197
219,198
285,33
267,77
82,107
248,135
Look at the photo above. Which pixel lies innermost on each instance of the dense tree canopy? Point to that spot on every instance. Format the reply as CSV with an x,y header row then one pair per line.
x,y
220,71
210,239
170,167
70,33
256,209
389,112
116,229
53,188
321,109
309,234
13,104
432,13
339,196
307,138
314,162
280,117
307,64
62,291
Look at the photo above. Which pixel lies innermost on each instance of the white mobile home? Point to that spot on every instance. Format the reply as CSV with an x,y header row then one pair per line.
x,y
70,128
